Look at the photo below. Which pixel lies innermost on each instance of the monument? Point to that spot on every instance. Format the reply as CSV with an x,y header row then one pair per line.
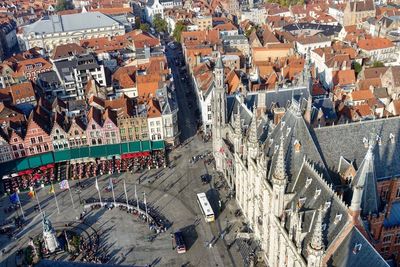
x,y
49,235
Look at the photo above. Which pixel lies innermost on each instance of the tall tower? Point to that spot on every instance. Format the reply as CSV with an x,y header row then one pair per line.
x,y
253,138
279,181
219,111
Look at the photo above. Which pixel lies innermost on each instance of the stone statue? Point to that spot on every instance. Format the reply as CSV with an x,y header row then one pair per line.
x,y
46,224
49,235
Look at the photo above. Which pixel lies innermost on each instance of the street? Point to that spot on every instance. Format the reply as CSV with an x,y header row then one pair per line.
x,y
171,191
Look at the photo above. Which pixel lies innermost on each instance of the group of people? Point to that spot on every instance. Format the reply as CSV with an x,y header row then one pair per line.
x,y
156,221
48,174
32,177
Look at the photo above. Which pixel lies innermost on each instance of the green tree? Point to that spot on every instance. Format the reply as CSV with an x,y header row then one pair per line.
x,y
64,5
377,64
357,67
159,23
179,28
144,27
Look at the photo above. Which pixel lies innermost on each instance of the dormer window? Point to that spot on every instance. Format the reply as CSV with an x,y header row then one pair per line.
x,y
391,137
297,146
317,193
327,205
338,218
365,141
378,140
357,248
301,201
288,131
308,182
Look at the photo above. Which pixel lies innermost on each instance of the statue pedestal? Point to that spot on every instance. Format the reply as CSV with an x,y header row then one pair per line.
x,y
50,241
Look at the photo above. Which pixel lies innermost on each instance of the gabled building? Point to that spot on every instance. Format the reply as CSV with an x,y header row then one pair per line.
x,y
37,138
58,132
77,136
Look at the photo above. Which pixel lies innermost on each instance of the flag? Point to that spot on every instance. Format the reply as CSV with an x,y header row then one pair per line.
x,y
31,194
96,185
51,191
14,198
64,185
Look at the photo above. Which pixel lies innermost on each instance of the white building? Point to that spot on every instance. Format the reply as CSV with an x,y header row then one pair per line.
x,y
152,8
256,15
306,44
74,74
55,30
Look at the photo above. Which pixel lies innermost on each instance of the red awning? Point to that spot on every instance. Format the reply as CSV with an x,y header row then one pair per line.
x,y
50,165
42,168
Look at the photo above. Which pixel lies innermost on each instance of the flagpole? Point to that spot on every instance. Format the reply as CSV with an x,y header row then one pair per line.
x,y
126,195
55,197
98,190
137,200
37,199
112,190
145,206
20,206
72,199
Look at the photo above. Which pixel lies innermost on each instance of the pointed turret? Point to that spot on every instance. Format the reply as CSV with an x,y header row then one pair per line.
x,y
317,239
279,180
316,247
219,64
280,169
238,122
253,127
365,193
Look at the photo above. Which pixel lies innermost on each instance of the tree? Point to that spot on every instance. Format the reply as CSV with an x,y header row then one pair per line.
x,y
377,64
179,28
160,24
357,67
64,5
144,27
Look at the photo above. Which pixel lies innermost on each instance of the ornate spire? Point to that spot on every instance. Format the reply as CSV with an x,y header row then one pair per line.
x,y
219,64
253,127
280,169
237,122
317,238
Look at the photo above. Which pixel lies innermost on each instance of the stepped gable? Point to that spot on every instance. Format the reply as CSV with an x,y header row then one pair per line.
x,y
354,141
311,192
95,115
110,115
40,121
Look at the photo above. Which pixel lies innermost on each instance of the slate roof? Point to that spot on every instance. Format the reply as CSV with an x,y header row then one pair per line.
x,y
365,178
351,146
280,97
366,255
327,107
293,128
314,193
327,30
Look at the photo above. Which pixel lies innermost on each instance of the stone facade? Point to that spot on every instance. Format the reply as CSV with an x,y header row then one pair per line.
x,y
283,188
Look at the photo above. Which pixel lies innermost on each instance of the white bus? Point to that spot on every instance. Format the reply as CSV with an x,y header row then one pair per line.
x,y
205,207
